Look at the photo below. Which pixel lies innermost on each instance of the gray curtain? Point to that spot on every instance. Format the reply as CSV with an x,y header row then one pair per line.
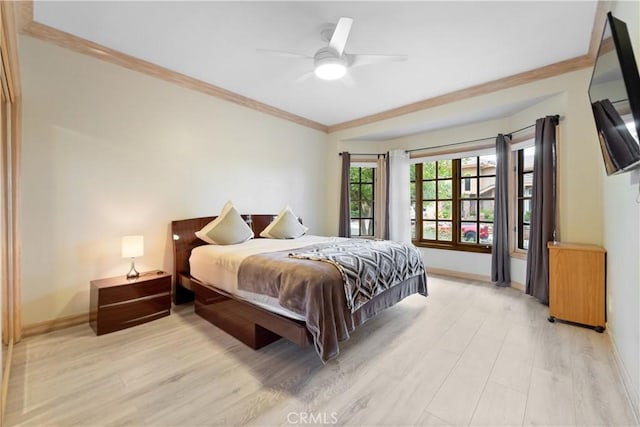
x,y
500,259
543,204
620,149
344,229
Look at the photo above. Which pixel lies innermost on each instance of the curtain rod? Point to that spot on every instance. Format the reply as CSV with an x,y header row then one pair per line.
x,y
474,140
365,154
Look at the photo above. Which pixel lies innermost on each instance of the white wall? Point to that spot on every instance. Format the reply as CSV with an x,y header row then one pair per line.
x,y
109,152
622,241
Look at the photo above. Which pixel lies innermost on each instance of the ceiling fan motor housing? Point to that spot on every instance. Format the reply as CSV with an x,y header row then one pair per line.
x,y
328,55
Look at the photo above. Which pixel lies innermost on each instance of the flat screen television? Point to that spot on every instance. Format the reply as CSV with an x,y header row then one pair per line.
x,y
614,93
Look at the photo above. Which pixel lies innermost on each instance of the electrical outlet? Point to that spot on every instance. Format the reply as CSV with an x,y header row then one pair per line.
x,y
610,304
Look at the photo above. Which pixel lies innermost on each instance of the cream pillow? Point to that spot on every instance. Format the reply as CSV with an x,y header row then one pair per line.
x,y
285,226
227,229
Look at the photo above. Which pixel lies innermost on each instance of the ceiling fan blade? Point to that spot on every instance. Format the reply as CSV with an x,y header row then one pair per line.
x,y
306,76
357,60
341,34
284,53
347,80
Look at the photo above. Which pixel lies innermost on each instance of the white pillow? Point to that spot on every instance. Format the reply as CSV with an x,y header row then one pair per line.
x,y
227,229
285,226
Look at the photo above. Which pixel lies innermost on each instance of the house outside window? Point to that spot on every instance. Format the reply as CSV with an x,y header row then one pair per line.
x,y
362,191
467,184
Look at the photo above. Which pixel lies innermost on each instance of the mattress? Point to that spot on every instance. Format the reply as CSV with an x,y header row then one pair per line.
x,y
217,266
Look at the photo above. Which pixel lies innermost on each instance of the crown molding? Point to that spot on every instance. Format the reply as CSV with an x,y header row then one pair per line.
x,y
481,89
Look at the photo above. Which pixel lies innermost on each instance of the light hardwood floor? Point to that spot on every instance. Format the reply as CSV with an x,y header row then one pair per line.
x,y
469,354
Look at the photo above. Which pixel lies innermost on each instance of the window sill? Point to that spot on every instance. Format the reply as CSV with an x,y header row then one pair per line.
x,y
518,254
458,248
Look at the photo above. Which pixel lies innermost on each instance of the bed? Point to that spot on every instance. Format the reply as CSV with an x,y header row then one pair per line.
x,y
265,289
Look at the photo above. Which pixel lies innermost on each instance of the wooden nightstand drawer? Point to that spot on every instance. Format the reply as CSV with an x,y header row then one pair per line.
x,y
134,290
118,303
119,316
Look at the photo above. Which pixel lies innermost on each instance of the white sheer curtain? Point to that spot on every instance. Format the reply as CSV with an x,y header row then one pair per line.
x,y
381,225
399,197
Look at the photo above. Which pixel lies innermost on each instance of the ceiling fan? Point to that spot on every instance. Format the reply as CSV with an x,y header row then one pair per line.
x,y
331,62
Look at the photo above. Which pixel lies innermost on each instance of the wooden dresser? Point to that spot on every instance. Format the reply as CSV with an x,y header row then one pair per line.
x,y
577,284
118,303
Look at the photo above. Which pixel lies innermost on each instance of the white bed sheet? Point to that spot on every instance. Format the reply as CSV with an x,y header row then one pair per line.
x,y
218,266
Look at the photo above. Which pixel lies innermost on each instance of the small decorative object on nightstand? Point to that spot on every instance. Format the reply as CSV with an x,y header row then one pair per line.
x,y
119,303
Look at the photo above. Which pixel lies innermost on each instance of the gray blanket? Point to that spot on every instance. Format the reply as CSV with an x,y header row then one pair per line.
x,y
367,267
316,291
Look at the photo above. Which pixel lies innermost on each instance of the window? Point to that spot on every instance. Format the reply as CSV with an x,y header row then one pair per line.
x,y
437,200
524,171
452,203
361,180
467,184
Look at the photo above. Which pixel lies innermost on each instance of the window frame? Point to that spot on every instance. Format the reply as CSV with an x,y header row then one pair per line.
x,y
436,200
360,219
521,143
521,198
456,200
477,198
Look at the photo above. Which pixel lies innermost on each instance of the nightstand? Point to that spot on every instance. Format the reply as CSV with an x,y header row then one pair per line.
x,y
118,303
577,275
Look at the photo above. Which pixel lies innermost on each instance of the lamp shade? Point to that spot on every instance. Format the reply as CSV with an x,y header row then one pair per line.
x,y
132,246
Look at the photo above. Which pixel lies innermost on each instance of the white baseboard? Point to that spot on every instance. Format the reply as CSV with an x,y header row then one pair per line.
x,y
633,395
468,276
517,285
458,274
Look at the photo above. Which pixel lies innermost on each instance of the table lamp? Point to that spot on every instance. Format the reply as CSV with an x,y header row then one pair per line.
x,y
132,246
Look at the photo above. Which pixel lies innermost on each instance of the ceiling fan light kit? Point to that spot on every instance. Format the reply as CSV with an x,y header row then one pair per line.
x,y
330,71
328,65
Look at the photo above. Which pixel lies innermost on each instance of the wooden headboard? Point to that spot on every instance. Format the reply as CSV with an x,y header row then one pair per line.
x,y
184,240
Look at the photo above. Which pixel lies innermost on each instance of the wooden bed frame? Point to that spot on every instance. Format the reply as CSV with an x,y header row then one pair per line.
x,y
253,325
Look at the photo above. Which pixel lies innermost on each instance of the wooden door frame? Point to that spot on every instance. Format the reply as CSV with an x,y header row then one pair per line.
x,y
12,126
10,154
